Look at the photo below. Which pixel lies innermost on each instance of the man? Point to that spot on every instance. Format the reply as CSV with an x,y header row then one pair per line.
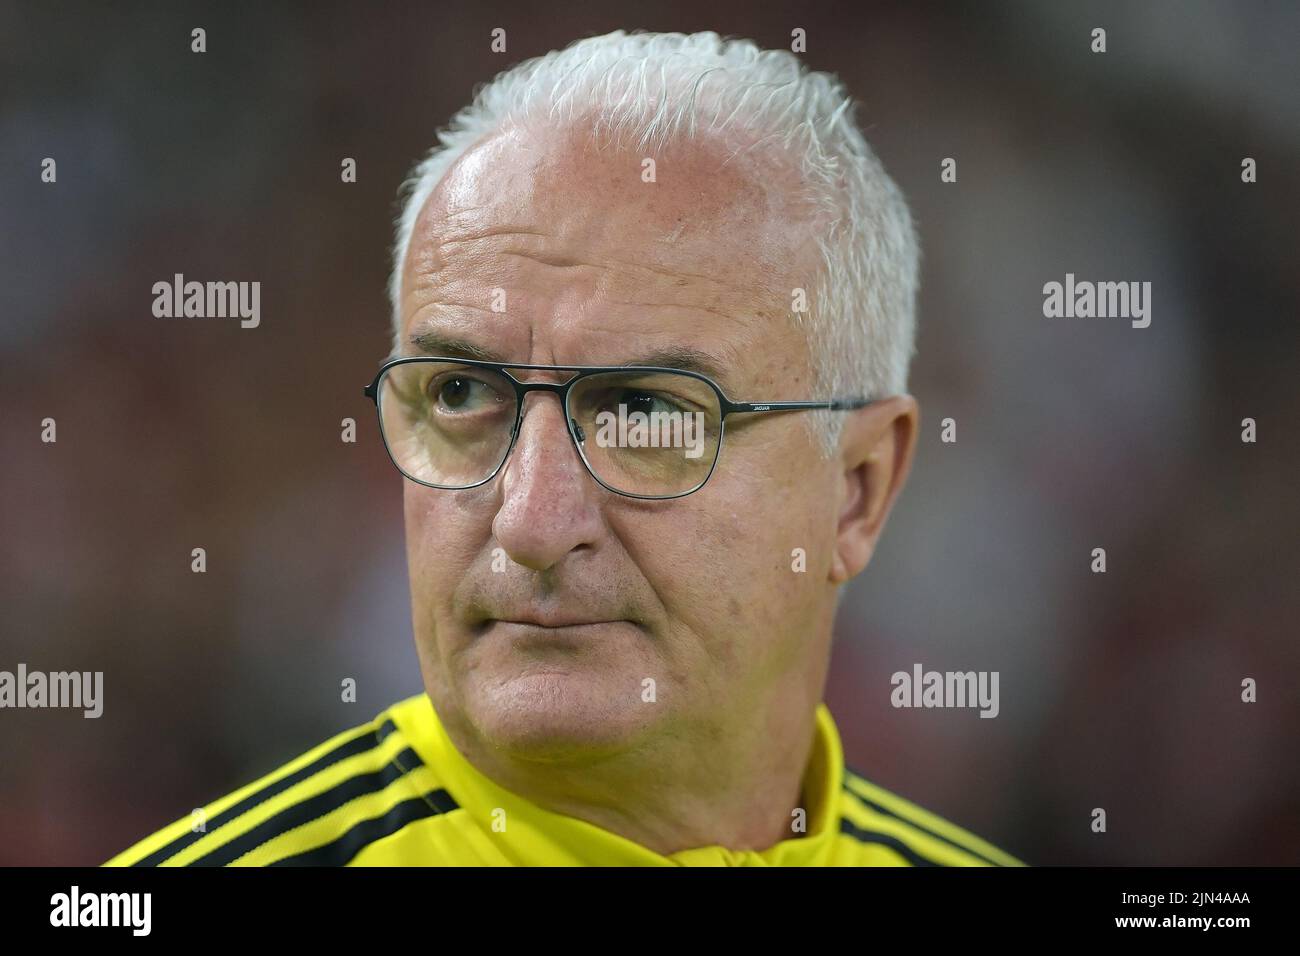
x,y
618,254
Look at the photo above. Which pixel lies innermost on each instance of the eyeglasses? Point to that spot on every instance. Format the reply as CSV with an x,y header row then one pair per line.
x,y
640,430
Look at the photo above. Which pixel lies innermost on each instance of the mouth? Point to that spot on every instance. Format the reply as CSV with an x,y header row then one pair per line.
x,y
555,626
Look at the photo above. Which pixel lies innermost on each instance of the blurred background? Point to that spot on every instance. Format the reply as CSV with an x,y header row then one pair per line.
x,y
1118,690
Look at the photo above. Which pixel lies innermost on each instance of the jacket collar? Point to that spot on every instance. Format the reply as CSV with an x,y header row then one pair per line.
x,y
534,836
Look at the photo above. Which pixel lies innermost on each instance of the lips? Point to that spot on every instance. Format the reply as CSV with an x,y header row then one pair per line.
x,y
541,620
573,614
554,621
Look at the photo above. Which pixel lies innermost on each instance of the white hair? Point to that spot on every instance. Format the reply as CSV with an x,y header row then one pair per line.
x,y
651,88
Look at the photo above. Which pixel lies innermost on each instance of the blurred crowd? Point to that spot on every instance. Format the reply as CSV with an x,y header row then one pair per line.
x,y
1119,690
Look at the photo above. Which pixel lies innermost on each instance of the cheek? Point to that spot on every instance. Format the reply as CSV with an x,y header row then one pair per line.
x,y
724,567
762,543
419,521
440,544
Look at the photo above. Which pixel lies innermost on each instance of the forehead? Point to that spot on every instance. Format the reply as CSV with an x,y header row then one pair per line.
x,y
693,240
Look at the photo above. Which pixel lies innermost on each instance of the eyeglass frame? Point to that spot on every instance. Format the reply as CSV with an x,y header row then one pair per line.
x,y
562,389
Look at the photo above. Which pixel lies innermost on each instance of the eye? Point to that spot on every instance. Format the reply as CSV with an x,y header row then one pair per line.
x,y
460,392
454,392
638,400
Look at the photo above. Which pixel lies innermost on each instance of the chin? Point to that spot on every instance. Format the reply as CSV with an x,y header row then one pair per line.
x,y
554,715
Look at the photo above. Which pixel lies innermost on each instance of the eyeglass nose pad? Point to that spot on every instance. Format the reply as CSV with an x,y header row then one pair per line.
x,y
577,431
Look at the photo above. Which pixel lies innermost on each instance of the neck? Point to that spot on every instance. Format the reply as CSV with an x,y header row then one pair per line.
x,y
731,786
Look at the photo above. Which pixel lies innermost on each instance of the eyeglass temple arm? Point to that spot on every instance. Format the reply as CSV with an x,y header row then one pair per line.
x,y
836,405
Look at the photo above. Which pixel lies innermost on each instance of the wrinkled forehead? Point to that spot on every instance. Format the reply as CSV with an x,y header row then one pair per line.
x,y
702,182
693,224
691,210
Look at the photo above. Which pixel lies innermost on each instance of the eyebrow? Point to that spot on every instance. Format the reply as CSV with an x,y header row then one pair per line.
x,y
432,342
684,358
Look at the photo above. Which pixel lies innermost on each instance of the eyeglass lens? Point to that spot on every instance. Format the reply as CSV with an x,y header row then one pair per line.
x,y
651,434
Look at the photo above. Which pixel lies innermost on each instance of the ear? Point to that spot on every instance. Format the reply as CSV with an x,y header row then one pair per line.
x,y
875,456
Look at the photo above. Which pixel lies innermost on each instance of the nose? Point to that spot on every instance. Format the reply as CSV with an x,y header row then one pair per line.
x,y
549,503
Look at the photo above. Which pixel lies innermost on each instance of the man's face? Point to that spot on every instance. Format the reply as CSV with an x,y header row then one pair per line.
x,y
551,655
